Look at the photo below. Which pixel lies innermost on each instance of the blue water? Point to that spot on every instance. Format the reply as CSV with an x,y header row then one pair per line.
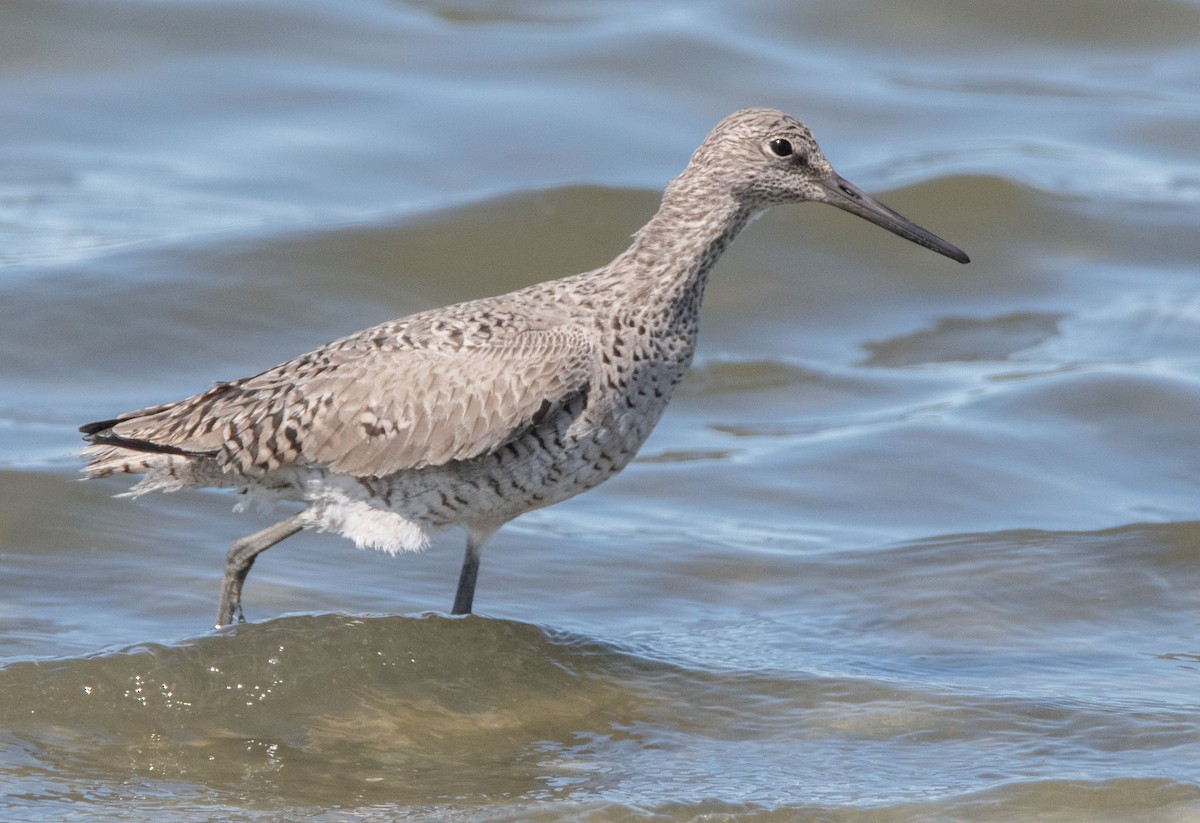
x,y
914,542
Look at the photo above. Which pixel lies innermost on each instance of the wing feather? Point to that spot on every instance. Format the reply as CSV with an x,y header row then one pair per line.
x,y
395,397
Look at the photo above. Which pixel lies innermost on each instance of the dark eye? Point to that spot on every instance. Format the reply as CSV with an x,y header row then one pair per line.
x,y
780,147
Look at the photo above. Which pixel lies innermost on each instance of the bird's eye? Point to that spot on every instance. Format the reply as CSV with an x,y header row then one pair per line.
x,y
780,147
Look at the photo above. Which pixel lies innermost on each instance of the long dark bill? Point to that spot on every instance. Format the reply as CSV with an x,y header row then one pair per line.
x,y
851,198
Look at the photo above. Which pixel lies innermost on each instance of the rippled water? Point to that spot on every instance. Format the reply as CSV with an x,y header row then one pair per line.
x,y
915,541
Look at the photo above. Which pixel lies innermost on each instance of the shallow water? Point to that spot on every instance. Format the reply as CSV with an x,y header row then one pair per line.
x,y
915,541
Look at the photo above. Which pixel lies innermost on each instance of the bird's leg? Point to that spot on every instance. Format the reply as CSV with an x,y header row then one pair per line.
x,y
240,558
477,535
465,596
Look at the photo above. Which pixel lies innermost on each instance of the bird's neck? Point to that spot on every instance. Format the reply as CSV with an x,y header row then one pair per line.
x,y
671,256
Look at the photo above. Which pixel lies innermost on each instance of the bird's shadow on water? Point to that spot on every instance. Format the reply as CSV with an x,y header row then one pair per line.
x,y
321,708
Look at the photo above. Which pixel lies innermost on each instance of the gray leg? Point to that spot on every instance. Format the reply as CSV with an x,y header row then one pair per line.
x,y
465,596
238,561
477,535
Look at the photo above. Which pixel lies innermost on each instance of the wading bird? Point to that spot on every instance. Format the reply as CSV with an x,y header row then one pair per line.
x,y
476,413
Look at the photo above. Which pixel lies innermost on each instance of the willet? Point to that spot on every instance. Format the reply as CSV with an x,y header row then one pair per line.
x,y
479,412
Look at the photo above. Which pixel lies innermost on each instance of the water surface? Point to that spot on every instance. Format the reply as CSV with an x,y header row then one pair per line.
x,y
914,542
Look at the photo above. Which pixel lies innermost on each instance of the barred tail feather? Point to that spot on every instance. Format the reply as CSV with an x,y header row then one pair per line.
x,y
161,472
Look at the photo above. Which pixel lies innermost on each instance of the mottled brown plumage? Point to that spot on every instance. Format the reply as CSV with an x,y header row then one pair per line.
x,y
476,413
